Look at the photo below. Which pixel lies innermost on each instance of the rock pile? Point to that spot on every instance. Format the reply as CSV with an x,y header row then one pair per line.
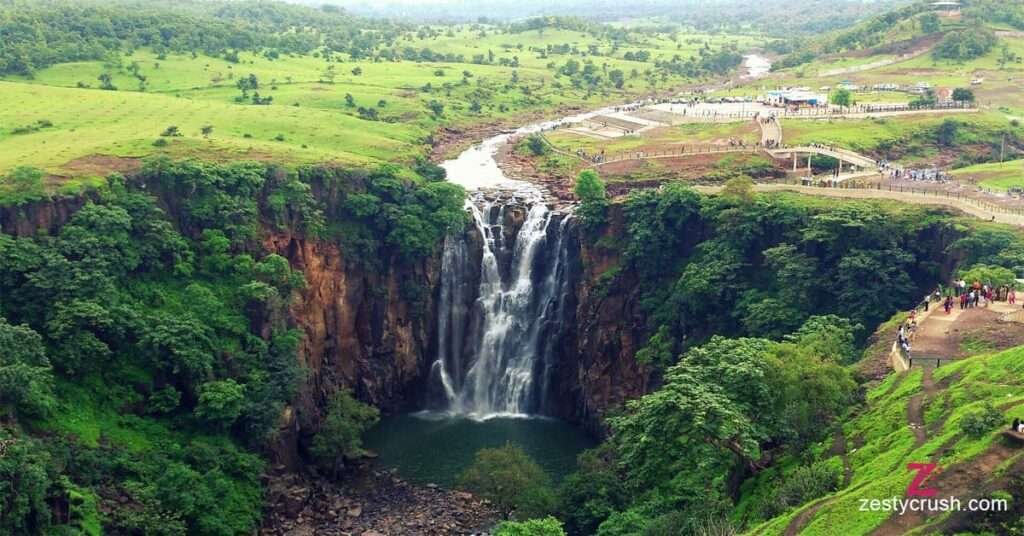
x,y
372,503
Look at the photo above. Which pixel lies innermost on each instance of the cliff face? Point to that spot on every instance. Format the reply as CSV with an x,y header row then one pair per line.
x,y
45,217
366,331
598,370
361,333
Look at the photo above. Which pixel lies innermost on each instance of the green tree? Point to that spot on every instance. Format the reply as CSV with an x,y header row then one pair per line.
x,y
617,78
930,23
962,94
739,189
511,481
537,146
26,378
590,190
989,275
946,133
841,97
220,402
548,526
593,492
25,480
436,108
341,432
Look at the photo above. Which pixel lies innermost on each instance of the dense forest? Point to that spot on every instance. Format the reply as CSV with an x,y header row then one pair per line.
x,y
769,289
34,35
775,17
160,316
177,335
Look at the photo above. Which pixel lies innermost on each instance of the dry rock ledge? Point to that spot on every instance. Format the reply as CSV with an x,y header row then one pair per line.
x,y
369,502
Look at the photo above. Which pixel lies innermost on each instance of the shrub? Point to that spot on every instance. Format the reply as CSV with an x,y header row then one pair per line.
x,y
806,483
341,434
160,142
536,144
513,482
548,526
220,402
590,190
22,185
980,422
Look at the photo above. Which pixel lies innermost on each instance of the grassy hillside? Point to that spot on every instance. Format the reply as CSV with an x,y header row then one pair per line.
x,y
881,444
973,137
999,176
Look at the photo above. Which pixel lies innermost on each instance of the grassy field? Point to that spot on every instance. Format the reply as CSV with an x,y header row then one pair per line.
x,y
311,118
916,133
999,176
659,139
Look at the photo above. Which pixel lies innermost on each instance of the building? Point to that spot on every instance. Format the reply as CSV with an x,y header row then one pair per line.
x,y
948,7
796,97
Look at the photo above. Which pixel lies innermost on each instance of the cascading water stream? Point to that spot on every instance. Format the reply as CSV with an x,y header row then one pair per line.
x,y
495,341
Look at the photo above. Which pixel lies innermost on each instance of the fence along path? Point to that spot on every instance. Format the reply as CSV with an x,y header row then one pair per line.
x,y
975,207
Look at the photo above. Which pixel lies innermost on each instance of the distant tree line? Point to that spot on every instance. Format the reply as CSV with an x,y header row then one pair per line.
x,y
37,34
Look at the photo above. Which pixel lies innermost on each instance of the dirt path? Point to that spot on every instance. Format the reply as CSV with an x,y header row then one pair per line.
x,y
962,480
839,449
916,406
934,335
802,519
796,526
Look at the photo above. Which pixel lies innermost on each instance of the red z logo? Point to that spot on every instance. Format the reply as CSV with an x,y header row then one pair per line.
x,y
924,470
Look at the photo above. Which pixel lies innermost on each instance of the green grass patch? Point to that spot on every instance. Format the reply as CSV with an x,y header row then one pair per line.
x,y
999,176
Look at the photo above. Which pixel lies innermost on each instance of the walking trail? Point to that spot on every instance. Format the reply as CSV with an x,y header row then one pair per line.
x,y
938,335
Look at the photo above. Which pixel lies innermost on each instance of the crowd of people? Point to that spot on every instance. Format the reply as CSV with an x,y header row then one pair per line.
x,y
977,294
961,293
932,174
906,332
593,158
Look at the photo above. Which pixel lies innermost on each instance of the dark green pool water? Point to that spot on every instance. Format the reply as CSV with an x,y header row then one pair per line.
x,y
431,448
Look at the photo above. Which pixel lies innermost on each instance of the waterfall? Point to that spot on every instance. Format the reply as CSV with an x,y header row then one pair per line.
x,y
500,309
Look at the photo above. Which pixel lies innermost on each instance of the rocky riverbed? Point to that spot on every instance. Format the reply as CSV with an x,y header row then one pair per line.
x,y
370,503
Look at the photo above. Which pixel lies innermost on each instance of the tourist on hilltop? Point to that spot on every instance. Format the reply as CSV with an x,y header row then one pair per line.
x,y
1011,297
948,305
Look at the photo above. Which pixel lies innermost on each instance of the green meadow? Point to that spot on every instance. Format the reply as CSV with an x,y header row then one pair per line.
x,y
317,107
999,176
